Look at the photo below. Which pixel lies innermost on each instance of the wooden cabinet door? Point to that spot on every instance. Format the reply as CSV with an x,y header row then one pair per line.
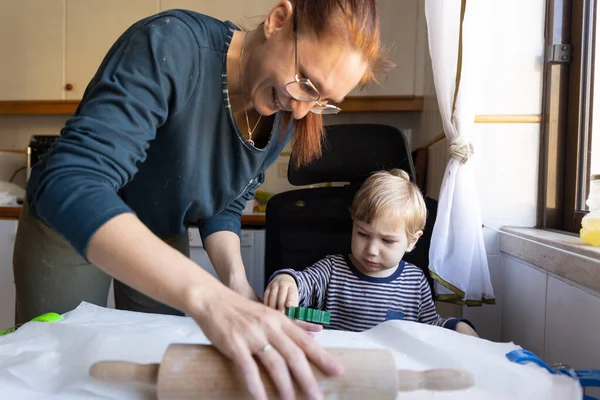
x,y
92,26
32,49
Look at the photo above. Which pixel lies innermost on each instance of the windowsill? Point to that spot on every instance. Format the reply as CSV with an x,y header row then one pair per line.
x,y
559,253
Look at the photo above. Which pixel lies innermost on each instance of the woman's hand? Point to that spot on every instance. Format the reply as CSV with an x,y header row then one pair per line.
x,y
281,293
247,332
240,329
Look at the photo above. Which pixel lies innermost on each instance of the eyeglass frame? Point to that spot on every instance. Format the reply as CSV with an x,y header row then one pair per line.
x,y
319,108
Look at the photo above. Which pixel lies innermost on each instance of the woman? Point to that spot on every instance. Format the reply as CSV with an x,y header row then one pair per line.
x,y
177,127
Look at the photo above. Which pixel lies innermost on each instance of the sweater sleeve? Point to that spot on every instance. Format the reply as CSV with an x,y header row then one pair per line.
x,y
230,218
427,312
312,283
144,78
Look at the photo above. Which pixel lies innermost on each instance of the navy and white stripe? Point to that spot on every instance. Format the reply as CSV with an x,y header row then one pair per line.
x,y
358,302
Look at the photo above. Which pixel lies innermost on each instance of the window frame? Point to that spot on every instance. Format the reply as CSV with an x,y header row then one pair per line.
x,y
566,117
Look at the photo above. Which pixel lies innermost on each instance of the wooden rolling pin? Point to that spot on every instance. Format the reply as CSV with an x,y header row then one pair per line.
x,y
192,371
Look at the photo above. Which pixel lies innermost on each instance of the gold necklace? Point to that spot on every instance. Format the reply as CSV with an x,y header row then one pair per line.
x,y
250,131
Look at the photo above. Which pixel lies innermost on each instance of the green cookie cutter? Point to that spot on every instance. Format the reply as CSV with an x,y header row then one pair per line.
x,y
309,315
48,317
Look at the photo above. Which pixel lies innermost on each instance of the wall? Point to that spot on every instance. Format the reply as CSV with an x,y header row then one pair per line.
x,y
15,130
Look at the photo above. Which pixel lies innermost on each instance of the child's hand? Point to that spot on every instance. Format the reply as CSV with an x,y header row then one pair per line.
x,y
465,329
282,292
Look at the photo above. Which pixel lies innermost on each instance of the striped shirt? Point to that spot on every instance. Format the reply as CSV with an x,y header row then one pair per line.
x,y
358,302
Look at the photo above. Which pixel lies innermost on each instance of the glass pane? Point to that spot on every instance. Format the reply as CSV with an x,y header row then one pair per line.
x,y
590,144
301,91
325,109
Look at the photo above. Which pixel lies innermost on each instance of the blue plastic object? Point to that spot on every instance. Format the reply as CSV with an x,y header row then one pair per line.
x,y
586,377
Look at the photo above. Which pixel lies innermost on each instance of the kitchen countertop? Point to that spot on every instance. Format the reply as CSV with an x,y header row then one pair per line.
x,y
253,219
7,212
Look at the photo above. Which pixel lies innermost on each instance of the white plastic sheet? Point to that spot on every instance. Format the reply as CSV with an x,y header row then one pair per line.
x,y
51,360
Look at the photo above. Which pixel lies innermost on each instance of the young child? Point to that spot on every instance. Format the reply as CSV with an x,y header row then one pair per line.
x,y
372,284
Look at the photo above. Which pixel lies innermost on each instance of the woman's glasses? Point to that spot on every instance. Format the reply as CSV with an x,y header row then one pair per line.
x,y
302,89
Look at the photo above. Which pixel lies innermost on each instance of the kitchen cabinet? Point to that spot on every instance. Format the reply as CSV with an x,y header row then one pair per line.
x,y
92,26
8,232
31,48
52,48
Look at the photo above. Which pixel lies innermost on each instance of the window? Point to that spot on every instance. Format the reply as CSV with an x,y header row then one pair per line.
x,y
570,145
594,152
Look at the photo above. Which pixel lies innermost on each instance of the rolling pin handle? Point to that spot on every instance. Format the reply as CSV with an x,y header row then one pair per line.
x,y
122,371
434,379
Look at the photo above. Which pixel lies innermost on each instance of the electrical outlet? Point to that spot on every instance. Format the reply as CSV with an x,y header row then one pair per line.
x,y
282,170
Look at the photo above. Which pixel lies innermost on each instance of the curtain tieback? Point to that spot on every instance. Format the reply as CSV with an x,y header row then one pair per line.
x,y
461,149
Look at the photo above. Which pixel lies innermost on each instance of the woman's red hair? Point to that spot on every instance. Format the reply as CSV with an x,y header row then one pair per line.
x,y
361,18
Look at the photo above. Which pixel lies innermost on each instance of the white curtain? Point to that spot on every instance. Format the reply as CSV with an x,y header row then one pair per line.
x,y
457,257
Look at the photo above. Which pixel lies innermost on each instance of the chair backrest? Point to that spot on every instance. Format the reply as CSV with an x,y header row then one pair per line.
x,y
304,225
352,152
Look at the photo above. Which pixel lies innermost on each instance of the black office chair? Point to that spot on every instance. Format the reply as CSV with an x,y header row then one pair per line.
x,y
304,225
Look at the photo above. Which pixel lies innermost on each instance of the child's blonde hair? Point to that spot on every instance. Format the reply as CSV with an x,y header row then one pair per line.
x,y
391,194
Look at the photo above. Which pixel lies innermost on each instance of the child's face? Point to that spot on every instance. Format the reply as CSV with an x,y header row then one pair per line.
x,y
379,246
